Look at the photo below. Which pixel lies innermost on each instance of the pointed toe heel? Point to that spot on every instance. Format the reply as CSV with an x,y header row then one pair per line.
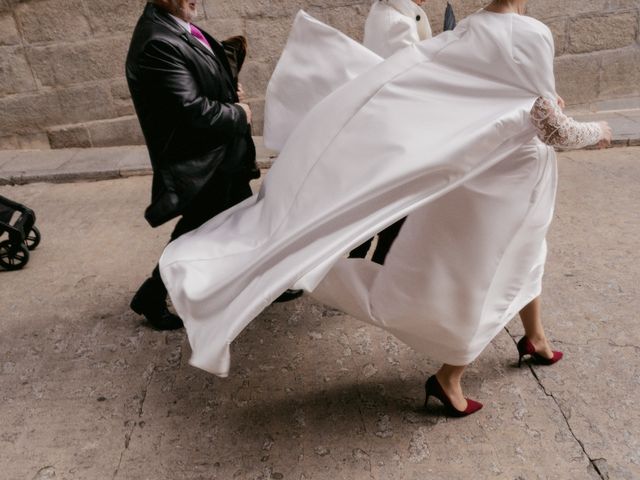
x,y
433,389
525,347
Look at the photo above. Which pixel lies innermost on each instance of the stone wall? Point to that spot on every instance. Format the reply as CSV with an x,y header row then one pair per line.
x,y
62,61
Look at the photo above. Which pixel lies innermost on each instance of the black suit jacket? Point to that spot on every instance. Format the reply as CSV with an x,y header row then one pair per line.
x,y
185,98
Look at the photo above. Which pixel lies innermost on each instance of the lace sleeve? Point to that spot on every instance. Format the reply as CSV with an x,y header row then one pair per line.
x,y
556,129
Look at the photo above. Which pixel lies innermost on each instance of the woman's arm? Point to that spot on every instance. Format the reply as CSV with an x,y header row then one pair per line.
x,y
556,129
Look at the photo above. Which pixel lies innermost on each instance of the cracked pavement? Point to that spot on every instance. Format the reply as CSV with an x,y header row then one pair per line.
x,y
89,392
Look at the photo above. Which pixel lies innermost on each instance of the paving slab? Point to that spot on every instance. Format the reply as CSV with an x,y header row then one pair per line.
x,y
615,104
6,156
625,124
25,166
135,161
19,167
594,316
87,391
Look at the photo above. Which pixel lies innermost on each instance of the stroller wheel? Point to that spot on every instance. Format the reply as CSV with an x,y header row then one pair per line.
x,y
33,238
12,256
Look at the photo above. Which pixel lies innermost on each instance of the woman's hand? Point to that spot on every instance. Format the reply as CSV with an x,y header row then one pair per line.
x,y
561,103
606,135
242,96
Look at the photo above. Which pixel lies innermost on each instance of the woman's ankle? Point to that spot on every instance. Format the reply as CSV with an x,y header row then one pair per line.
x,y
450,383
452,387
541,344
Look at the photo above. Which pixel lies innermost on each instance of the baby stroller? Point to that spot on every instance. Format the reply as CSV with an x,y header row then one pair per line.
x,y
22,234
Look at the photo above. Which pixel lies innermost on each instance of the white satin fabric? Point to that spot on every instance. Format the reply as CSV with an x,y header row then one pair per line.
x,y
440,131
395,24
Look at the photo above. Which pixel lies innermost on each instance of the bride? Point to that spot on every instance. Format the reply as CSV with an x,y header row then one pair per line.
x,y
455,133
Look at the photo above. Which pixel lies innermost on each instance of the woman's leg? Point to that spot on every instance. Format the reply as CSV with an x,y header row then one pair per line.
x,y
449,377
533,329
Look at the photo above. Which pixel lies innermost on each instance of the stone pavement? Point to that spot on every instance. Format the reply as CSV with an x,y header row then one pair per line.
x,y
89,392
67,165
18,167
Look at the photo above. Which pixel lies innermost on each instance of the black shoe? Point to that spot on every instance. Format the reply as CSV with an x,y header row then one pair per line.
x,y
154,308
288,295
160,318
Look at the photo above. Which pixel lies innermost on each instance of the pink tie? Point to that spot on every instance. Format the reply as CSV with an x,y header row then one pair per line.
x,y
198,34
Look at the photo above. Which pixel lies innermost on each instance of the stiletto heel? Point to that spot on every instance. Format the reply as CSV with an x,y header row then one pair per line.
x,y
525,347
433,388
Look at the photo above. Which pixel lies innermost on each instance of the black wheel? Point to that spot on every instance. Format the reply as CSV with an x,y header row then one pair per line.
x,y
13,257
33,238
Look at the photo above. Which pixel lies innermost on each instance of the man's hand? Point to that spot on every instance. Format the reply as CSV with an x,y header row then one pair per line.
x,y
247,110
242,96
606,133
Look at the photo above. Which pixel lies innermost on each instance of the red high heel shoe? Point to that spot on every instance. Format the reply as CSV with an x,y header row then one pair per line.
x,y
433,388
525,347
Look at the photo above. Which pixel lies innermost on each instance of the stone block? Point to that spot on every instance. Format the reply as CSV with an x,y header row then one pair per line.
x,y
602,32
52,20
116,132
8,31
264,156
28,113
9,142
84,103
122,98
435,11
69,136
33,141
257,108
620,73
225,28
577,78
72,63
15,73
267,37
267,9
348,19
81,80
114,15
558,29
546,9
254,77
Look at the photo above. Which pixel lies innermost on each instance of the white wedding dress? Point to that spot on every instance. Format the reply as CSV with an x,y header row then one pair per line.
x,y
395,24
444,132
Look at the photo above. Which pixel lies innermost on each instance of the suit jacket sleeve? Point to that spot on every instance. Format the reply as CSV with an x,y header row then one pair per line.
x,y
164,70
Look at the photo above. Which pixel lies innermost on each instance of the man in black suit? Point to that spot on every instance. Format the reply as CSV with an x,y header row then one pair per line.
x,y
198,133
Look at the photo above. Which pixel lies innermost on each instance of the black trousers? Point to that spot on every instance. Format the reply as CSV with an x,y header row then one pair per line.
x,y
220,193
385,239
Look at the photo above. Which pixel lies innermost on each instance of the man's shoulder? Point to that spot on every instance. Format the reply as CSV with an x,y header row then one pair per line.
x,y
151,29
151,33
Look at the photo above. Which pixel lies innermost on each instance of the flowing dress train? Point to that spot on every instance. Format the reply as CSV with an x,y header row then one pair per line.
x,y
442,132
